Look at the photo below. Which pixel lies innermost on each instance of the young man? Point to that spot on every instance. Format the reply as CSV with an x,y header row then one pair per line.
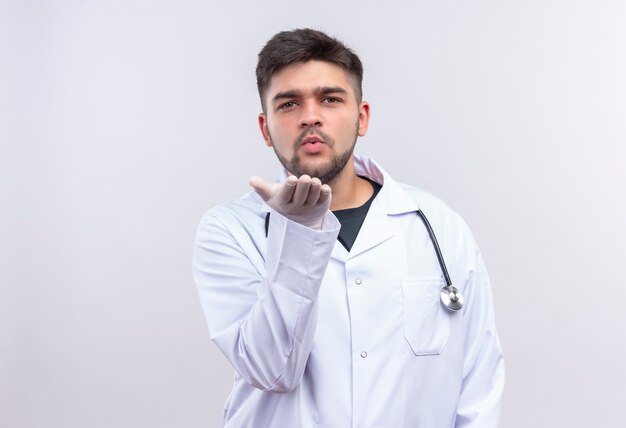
x,y
323,289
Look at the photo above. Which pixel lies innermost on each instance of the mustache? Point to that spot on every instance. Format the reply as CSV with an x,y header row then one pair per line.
x,y
311,131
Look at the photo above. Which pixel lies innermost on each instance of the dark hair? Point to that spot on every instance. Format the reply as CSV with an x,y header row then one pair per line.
x,y
302,45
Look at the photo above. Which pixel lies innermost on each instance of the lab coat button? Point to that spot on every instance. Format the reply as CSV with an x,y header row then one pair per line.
x,y
358,281
363,354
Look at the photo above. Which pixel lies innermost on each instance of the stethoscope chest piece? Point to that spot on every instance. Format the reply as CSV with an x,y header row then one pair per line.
x,y
451,298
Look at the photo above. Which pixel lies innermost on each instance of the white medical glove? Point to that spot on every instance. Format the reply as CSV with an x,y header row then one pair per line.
x,y
304,200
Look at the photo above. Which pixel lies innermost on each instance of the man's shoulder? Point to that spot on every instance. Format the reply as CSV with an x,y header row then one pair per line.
x,y
395,196
450,228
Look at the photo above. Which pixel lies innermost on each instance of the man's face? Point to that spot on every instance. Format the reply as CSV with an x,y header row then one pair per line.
x,y
312,118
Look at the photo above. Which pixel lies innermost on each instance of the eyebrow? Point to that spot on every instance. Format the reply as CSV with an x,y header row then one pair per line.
x,y
296,93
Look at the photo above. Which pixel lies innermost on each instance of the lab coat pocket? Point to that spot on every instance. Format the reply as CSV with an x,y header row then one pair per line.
x,y
426,323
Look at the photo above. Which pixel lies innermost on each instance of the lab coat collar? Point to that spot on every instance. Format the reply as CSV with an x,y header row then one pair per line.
x,y
392,196
391,199
394,199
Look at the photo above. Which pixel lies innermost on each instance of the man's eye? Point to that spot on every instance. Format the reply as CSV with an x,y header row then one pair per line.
x,y
331,100
286,105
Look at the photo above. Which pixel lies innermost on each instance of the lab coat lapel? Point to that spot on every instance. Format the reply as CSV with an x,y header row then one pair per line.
x,y
339,252
376,229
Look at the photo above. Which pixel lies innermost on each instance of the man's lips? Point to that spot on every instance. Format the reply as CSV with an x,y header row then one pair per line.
x,y
312,139
312,144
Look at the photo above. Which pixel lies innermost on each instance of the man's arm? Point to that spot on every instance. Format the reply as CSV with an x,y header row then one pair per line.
x,y
483,365
264,322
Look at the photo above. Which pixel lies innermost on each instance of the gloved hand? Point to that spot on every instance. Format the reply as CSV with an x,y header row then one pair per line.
x,y
303,200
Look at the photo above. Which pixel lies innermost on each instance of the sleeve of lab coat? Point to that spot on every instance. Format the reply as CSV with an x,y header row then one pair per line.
x,y
263,322
483,365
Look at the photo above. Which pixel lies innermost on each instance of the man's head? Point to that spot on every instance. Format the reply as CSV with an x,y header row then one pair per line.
x,y
310,88
300,46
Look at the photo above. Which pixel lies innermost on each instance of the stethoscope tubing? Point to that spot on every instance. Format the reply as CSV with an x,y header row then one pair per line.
x,y
433,239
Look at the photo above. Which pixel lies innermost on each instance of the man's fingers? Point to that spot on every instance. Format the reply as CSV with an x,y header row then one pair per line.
x,y
325,194
302,190
288,187
314,192
262,187
294,197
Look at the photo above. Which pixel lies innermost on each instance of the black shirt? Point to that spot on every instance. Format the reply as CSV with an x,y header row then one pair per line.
x,y
351,219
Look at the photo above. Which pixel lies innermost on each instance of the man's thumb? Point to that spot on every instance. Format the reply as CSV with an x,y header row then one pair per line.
x,y
262,187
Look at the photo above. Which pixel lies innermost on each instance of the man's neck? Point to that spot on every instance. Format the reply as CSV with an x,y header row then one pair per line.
x,y
349,190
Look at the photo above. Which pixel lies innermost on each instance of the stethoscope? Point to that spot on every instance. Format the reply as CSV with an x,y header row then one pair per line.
x,y
450,296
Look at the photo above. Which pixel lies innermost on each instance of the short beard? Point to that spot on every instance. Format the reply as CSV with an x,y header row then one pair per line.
x,y
326,173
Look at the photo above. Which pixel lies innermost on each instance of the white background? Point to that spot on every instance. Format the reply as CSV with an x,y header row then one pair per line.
x,y
121,122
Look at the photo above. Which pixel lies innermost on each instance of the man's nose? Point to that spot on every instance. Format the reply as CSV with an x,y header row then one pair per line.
x,y
310,115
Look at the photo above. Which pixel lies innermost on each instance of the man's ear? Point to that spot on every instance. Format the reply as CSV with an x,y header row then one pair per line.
x,y
264,131
364,118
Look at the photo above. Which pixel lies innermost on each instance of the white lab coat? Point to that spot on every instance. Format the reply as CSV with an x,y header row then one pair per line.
x,y
322,337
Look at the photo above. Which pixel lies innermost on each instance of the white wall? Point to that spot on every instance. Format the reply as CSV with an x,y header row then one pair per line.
x,y
121,122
